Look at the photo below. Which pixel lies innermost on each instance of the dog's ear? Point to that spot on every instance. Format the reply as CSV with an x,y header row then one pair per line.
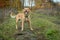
x,y
29,9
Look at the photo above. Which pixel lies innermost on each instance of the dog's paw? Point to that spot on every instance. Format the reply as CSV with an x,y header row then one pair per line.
x,y
21,29
31,29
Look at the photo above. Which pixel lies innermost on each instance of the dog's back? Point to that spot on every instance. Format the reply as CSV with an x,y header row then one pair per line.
x,y
20,16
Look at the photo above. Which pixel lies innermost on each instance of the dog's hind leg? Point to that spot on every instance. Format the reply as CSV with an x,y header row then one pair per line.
x,y
22,25
16,23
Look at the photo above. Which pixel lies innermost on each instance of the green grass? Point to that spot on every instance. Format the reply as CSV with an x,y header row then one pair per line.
x,y
48,25
7,29
45,24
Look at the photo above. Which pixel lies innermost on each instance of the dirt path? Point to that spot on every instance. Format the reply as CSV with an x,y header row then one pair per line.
x,y
27,34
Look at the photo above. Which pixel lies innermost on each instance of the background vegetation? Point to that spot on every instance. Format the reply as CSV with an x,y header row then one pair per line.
x,y
45,19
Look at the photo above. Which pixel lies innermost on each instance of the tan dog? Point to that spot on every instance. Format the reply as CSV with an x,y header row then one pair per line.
x,y
25,16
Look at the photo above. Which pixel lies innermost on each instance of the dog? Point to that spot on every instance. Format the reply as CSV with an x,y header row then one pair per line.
x,y
24,16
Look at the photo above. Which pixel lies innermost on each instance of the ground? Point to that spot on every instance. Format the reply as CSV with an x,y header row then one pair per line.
x,y
46,27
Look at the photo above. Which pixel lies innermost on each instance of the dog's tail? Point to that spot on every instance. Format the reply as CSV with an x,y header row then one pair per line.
x,y
11,15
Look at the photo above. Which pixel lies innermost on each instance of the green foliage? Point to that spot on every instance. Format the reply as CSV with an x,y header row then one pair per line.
x,y
52,34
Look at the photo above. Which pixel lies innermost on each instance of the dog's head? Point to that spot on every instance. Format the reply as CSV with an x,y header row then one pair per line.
x,y
26,10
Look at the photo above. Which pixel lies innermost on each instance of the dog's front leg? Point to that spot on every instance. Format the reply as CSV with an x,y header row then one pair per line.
x,y
29,22
22,25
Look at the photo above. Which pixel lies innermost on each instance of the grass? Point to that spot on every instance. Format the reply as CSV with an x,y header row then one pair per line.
x,y
7,29
41,23
48,25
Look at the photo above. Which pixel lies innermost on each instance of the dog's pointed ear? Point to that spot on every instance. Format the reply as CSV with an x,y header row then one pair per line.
x,y
29,9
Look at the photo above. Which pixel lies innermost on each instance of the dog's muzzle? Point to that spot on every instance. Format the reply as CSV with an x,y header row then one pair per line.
x,y
26,13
